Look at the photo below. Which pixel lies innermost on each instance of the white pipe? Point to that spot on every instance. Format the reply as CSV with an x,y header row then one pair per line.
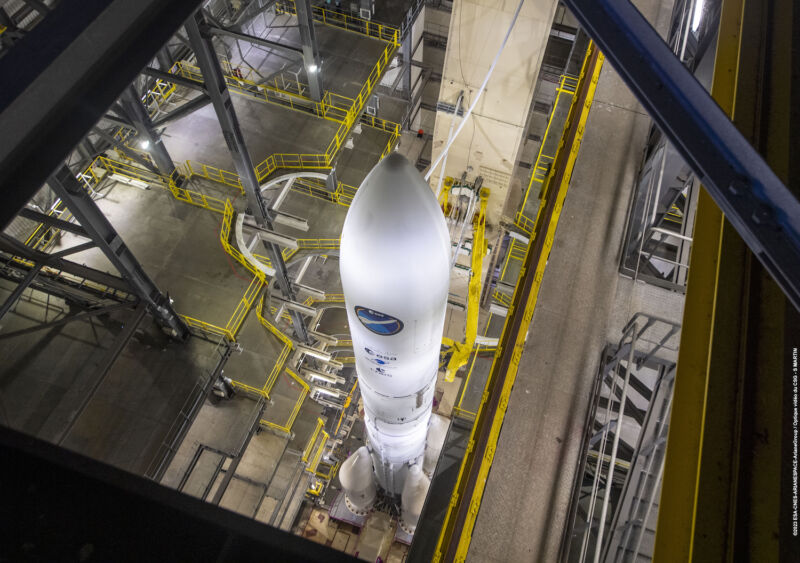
x,y
601,525
598,468
449,137
478,96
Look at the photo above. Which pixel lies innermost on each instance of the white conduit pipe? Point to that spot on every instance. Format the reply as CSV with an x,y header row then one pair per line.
x,y
601,525
449,137
478,97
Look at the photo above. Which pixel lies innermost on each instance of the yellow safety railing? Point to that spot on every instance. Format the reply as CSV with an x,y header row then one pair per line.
x,y
502,298
330,473
345,21
313,463
292,162
234,324
288,345
193,169
312,440
454,538
360,101
346,404
207,328
516,252
157,96
244,306
458,409
281,92
287,427
224,238
541,167
461,351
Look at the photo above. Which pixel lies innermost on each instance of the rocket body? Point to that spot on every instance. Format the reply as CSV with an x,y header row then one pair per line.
x,y
394,265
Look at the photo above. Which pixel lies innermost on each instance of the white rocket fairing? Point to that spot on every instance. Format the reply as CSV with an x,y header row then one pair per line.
x,y
394,264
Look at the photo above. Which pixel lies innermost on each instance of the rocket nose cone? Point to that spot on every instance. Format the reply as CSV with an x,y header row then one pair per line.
x,y
394,160
394,184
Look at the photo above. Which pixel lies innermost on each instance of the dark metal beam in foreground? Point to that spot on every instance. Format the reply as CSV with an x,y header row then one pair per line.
x,y
223,105
67,72
61,498
762,210
17,293
103,234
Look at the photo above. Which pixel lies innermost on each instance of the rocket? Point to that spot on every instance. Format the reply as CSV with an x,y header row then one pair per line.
x,y
394,265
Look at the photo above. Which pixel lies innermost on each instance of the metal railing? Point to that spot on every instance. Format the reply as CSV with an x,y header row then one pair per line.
x,y
345,21
286,427
548,147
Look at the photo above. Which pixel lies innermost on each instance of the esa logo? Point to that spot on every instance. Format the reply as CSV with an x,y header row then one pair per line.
x,y
377,322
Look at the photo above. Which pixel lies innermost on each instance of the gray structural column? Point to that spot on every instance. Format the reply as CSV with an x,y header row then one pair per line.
x,y
311,58
83,207
17,293
223,105
408,53
137,113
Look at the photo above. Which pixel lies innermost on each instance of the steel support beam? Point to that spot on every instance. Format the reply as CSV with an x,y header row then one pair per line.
x,y
71,67
103,234
74,249
51,221
223,106
311,58
182,111
222,31
113,118
174,78
16,248
164,58
755,201
129,153
137,113
17,293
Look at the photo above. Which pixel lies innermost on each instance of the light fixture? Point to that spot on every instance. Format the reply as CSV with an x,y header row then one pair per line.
x,y
697,16
312,69
145,144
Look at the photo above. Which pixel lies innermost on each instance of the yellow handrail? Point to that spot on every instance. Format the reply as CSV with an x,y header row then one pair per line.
x,y
461,351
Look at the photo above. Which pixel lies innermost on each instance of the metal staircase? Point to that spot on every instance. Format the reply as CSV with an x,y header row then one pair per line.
x,y
615,495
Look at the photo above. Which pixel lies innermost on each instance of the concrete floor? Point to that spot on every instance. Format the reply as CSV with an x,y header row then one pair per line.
x,y
583,303
178,245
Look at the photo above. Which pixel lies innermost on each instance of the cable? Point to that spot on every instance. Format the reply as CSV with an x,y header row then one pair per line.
x,y
449,136
478,96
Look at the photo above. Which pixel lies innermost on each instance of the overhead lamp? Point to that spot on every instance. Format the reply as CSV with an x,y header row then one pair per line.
x,y
145,144
313,68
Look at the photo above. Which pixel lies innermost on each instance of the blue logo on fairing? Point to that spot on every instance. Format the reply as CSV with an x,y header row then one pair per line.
x,y
379,323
